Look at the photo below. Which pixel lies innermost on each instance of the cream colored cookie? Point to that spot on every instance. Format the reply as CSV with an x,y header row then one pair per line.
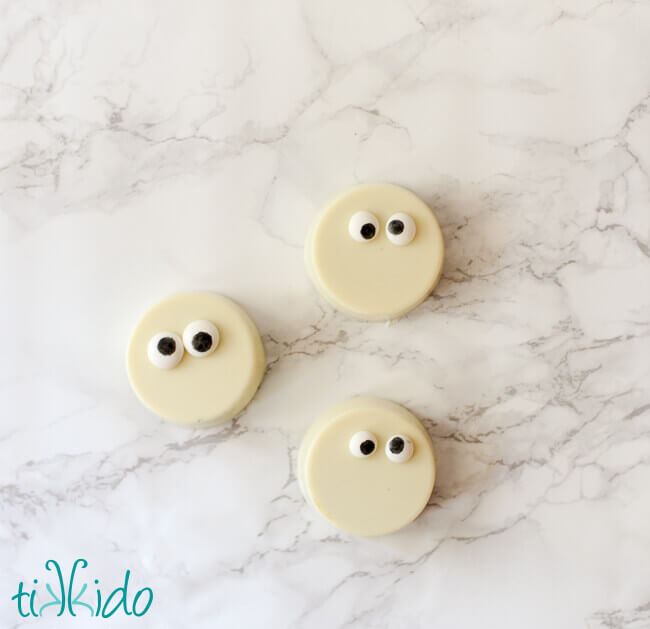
x,y
367,466
195,357
375,252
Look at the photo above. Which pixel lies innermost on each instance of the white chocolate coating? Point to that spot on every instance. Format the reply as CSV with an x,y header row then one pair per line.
x,y
374,280
370,495
214,388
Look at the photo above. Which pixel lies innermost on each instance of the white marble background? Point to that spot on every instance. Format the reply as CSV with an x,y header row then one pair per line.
x,y
148,147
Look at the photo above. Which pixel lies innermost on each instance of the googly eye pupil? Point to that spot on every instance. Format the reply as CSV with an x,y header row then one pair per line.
x,y
396,445
368,231
166,346
396,227
367,447
201,341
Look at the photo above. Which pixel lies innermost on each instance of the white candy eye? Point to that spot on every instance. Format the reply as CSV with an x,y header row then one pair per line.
x,y
363,444
400,229
165,350
201,338
363,226
399,449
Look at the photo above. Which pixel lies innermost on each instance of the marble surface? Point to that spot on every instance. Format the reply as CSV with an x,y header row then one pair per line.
x,y
148,147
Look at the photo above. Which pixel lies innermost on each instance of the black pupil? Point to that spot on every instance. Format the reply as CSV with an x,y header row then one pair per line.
x,y
167,346
396,227
367,447
202,341
396,445
368,231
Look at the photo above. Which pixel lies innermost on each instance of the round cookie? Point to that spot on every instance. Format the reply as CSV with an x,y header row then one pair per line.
x,y
195,357
367,466
375,252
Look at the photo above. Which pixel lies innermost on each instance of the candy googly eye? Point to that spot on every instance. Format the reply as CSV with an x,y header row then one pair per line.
x,y
201,338
400,229
165,350
363,226
363,444
399,449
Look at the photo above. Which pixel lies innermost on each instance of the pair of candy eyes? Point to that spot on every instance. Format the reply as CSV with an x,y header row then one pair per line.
x,y
400,228
399,449
200,338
